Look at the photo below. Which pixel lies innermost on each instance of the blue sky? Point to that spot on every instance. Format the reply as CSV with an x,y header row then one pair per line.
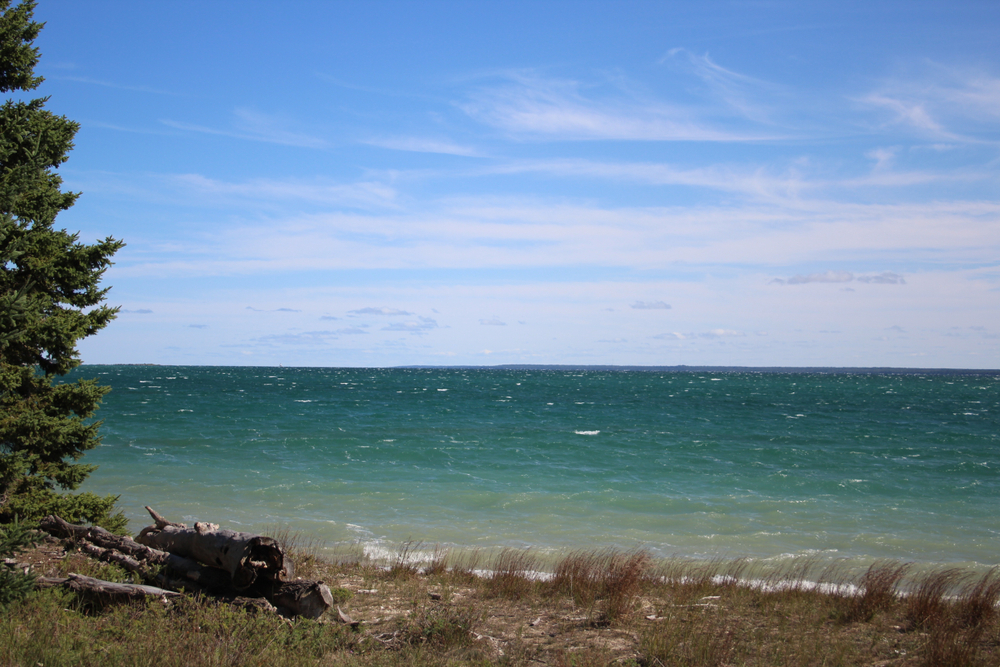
x,y
648,183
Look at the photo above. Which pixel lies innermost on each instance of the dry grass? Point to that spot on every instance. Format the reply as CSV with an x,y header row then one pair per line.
x,y
977,604
927,604
406,563
513,574
878,591
439,561
610,577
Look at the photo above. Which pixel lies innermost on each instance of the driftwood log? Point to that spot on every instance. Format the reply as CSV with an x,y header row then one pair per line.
x,y
251,565
107,592
248,558
138,558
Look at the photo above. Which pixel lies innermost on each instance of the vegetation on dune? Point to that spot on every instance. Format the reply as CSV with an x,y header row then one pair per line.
x,y
603,608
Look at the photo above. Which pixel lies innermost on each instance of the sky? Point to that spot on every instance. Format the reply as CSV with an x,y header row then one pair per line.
x,y
383,183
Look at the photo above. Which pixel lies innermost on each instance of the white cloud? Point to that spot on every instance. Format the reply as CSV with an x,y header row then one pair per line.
x,y
422,324
111,84
825,277
392,312
884,278
422,145
651,305
530,105
255,126
493,322
956,104
711,333
318,191
738,91
514,233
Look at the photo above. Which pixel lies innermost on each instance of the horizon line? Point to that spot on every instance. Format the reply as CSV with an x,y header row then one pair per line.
x,y
677,368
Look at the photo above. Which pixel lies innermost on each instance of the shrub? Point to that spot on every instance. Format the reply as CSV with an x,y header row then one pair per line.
x,y
14,585
79,508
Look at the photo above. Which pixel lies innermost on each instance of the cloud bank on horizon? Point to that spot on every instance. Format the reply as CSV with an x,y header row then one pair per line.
x,y
479,183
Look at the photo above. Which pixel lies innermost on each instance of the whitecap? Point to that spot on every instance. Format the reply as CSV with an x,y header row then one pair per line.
x,y
586,432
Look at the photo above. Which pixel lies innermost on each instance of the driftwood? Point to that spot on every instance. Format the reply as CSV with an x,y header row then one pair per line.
x,y
248,558
136,557
255,564
106,592
302,598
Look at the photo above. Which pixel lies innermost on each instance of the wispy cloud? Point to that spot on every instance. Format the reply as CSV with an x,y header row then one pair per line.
x,y
313,338
420,325
392,312
488,232
740,92
954,104
651,305
711,333
316,191
255,126
529,105
884,278
493,322
422,145
117,86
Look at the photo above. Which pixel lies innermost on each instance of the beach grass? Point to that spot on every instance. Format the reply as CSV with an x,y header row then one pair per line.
x,y
432,606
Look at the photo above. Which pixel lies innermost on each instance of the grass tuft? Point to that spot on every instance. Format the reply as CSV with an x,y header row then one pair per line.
x,y
439,562
927,605
977,605
877,591
609,576
405,565
513,574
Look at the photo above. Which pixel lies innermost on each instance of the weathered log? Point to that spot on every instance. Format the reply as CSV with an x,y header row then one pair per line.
x,y
295,598
301,598
111,556
245,556
201,575
106,592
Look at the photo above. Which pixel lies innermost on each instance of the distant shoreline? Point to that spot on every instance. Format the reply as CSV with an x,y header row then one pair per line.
x,y
855,370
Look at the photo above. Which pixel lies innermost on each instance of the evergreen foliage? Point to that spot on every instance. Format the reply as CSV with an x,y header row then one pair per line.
x,y
50,298
14,584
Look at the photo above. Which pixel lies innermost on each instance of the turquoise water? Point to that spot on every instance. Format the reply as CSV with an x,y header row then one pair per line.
x,y
696,464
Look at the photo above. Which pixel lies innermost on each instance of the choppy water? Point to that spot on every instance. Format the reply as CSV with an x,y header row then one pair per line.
x,y
696,464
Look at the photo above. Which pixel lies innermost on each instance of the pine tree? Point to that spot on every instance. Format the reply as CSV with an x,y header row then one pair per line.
x,y
50,298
